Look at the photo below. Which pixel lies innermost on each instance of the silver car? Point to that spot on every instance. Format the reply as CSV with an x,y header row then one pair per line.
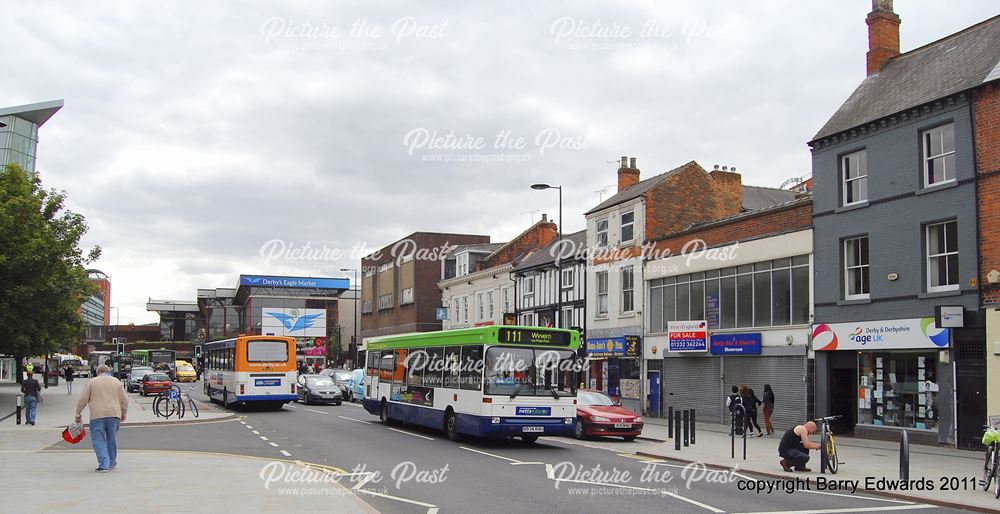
x,y
134,378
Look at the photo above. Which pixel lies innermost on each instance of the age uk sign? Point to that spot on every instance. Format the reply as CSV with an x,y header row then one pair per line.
x,y
687,336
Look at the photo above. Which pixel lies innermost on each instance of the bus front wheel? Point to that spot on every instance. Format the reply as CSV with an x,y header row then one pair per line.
x,y
451,426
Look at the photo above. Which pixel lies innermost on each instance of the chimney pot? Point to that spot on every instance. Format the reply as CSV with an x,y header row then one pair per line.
x,y
545,217
716,166
733,169
631,163
624,161
725,168
627,176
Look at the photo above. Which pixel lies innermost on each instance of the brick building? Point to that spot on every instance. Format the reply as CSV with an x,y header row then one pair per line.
x,y
619,230
986,113
399,291
481,291
895,232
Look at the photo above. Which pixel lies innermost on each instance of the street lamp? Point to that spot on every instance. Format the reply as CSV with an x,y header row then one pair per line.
x,y
356,321
540,187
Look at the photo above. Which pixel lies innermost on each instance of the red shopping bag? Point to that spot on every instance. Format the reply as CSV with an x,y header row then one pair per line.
x,y
74,433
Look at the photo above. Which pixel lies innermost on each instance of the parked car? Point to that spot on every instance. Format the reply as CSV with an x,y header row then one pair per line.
x,y
154,383
598,415
319,388
134,378
185,372
343,379
357,385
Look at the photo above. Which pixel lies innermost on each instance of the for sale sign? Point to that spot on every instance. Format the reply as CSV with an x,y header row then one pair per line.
x,y
687,336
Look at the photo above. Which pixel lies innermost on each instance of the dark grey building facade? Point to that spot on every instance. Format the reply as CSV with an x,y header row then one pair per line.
x,y
895,237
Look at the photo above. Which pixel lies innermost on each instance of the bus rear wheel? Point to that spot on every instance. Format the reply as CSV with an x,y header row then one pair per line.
x,y
383,413
450,426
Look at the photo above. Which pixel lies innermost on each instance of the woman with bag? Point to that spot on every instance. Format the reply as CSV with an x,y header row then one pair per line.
x,y
768,408
68,377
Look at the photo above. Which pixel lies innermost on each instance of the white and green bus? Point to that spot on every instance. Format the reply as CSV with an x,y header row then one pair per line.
x,y
493,381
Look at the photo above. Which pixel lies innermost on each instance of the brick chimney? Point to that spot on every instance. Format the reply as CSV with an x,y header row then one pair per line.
x,y
883,35
628,174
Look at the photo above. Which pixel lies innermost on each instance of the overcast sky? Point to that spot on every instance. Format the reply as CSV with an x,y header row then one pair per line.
x,y
198,138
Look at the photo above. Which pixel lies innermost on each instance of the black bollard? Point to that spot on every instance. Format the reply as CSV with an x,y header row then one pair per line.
x,y
19,402
677,433
732,435
692,426
686,421
670,422
904,457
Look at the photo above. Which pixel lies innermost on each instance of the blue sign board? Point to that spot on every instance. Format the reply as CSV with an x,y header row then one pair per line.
x,y
265,382
440,313
735,344
606,347
533,411
712,310
300,282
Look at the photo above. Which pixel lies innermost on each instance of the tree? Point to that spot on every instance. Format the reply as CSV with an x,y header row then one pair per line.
x,y
42,269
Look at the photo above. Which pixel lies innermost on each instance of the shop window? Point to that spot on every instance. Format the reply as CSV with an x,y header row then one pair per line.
x,y
899,389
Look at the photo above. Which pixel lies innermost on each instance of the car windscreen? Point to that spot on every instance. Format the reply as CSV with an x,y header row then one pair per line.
x,y
319,381
342,376
185,367
140,372
590,398
157,377
267,351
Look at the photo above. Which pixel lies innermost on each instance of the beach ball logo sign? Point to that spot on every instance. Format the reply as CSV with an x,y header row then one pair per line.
x,y
824,338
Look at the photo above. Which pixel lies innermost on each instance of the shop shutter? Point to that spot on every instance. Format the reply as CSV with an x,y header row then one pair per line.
x,y
784,373
693,383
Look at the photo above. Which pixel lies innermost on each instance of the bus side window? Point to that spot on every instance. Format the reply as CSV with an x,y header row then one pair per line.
x,y
415,366
472,368
399,370
433,370
385,369
452,361
374,359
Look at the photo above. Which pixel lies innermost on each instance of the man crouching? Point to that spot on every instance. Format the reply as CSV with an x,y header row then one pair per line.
x,y
795,445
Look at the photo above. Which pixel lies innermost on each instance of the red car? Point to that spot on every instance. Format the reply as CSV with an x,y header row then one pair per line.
x,y
154,383
597,414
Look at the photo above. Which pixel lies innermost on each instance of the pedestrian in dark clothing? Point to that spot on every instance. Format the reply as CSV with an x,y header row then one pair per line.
x,y
795,445
750,403
68,376
732,401
768,408
32,396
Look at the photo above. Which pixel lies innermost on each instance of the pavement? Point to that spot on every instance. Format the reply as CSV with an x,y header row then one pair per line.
x,y
57,407
950,476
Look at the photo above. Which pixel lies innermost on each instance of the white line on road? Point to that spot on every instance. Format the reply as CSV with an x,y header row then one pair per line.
x,y
264,438
525,463
286,454
289,406
550,474
250,427
244,422
355,420
491,455
272,443
255,432
838,511
316,411
433,510
411,433
397,498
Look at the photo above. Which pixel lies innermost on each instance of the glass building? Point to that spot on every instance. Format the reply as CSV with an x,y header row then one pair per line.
x,y
19,131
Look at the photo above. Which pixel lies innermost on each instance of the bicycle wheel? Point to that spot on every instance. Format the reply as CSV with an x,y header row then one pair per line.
x,y
831,455
193,406
167,408
157,403
996,469
988,466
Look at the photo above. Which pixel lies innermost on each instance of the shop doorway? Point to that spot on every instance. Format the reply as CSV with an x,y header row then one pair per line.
x,y
653,386
843,399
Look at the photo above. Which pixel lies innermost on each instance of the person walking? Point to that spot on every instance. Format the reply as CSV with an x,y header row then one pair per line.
x,y
32,396
750,402
768,408
68,377
108,404
732,401
795,445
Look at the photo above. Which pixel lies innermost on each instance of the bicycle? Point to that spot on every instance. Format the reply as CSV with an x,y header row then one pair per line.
x,y
190,403
828,447
991,438
168,403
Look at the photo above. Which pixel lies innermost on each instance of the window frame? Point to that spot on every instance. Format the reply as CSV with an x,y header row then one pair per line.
x,y
599,310
926,156
845,180
860,268
929,259
630,225
601,234
630,290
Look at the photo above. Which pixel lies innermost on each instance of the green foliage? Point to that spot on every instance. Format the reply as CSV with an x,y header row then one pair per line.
x,y
43,280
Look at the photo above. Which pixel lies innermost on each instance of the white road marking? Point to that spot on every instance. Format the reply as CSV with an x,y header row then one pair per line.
x,y
433,510
550,474
838,511
290,406
244,422
316,411
250,427
397,498
263,438
355,420
525,463
410,433
272,443
367,478
286,454
255,432
491,455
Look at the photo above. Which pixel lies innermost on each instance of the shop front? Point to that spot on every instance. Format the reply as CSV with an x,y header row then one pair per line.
x,y
886,376
614,368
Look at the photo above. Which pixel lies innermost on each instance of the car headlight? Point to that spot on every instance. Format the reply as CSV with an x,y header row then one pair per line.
x,y
637,420
599,418
495,420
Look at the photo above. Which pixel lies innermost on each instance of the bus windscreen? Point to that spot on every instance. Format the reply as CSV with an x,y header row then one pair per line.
x,y
267,351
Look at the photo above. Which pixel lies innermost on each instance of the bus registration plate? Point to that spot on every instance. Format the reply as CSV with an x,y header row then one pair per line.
x,y
263,382
532,429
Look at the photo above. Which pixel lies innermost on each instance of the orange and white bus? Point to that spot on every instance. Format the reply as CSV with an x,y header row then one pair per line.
x,y
257,370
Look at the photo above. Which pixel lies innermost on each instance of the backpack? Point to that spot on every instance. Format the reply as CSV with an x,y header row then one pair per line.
x,y
733,400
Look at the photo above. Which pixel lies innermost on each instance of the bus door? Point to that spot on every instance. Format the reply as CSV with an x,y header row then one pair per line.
x,y
372,373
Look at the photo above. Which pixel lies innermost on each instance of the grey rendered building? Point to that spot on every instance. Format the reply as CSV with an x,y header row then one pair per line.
x,y
895,236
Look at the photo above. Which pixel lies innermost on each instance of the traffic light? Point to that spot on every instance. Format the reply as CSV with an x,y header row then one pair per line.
x,y
197,351
120,346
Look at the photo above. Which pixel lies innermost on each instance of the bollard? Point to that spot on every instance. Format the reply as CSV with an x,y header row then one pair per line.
x,y
692,426
19,402
677,433
732,435
670,422
822,452
904,457
685,415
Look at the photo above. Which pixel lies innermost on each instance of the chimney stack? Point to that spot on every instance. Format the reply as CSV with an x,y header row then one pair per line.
x,y
883,35
545,217
628,174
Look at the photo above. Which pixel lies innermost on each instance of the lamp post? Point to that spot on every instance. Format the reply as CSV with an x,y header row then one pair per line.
x,y
558,257
117,318
355,321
